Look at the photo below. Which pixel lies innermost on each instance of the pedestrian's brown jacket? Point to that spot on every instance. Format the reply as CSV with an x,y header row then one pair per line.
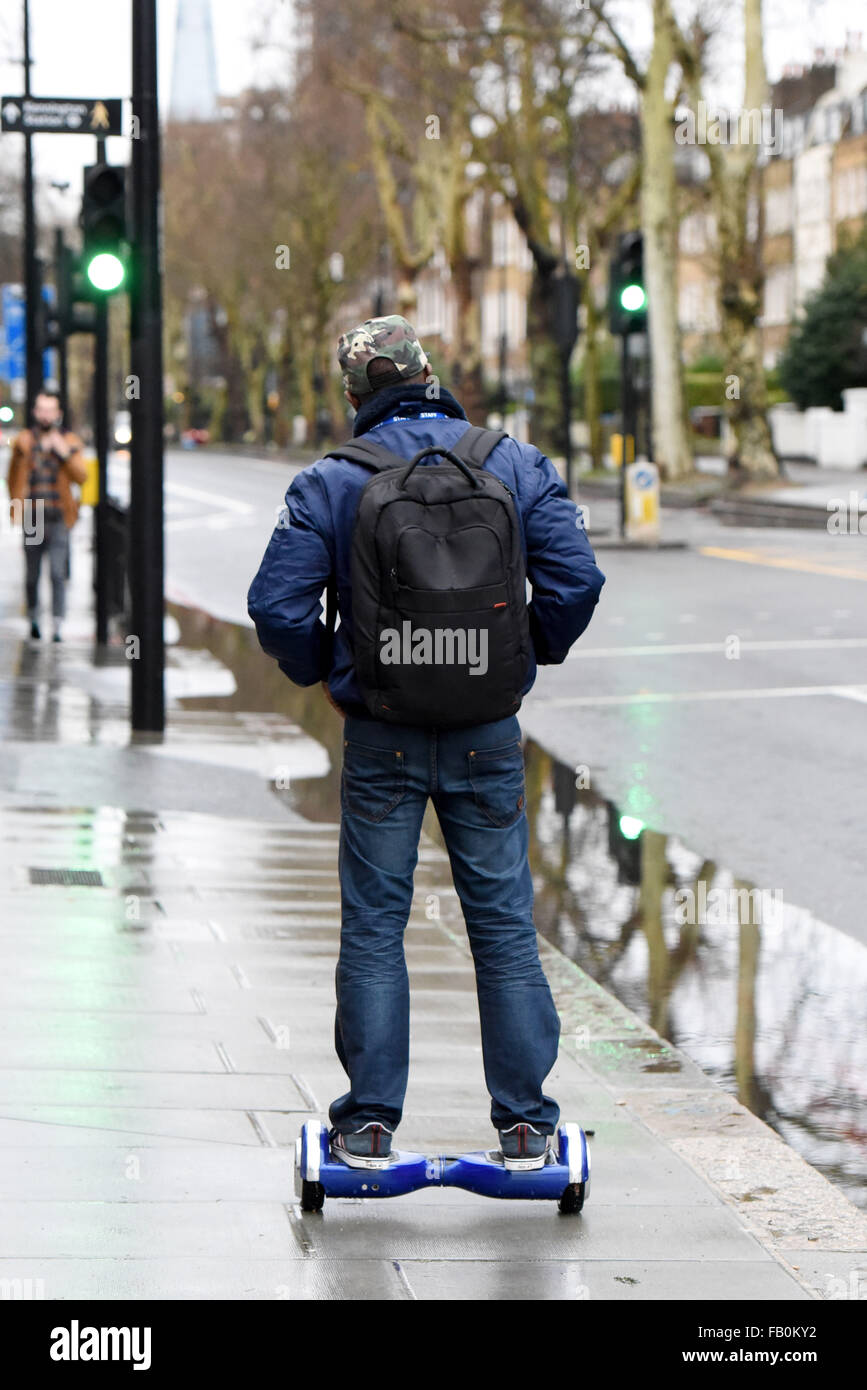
x,y
72,470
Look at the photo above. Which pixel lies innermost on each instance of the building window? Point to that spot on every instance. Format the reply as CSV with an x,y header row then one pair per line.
x,y
506,242
698,307
697,233
779,288
431,312
692,234
850,192
778,211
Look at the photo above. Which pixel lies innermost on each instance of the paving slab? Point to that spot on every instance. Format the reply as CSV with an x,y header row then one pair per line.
x,y
618,1281
235,1278
85,1229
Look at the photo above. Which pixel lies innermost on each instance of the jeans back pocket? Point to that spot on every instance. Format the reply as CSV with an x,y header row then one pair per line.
x,y
497,779
373,780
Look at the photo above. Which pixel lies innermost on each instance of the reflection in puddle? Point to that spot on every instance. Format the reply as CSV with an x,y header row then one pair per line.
x,y
764,998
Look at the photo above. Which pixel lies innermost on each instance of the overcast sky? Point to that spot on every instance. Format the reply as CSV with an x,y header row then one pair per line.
x,y
81,48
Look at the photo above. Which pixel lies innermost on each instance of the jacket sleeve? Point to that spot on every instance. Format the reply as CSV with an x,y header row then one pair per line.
x,y
74,462
284,599
15,477
560,566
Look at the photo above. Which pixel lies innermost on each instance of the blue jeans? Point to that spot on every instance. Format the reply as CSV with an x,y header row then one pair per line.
x,y
475,778
54,542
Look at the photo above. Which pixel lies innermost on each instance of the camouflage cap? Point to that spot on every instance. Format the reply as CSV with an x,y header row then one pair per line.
x,y
390,337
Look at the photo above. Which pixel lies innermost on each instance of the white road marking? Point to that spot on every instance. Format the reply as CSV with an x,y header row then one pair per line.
x,y
198,494
213,521
658,697
786,644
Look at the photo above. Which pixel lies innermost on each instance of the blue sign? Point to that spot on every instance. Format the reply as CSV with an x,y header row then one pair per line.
x,y
49,356
13,358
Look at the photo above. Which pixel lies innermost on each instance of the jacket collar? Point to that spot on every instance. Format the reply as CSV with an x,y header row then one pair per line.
x,y
408,400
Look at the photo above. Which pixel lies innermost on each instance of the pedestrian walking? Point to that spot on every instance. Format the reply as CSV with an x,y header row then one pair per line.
x,y
436,646
45,461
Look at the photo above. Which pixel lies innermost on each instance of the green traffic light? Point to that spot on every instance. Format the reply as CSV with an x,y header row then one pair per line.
x,y
633,298
6,414
106,271
631,827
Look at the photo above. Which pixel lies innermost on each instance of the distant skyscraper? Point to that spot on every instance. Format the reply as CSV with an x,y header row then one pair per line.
x,y
194,66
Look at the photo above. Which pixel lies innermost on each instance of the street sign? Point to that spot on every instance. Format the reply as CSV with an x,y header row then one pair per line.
x,y
13,361
642,502
61,115
49,356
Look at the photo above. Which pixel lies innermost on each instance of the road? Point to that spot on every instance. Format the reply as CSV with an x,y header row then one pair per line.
x,y
719,695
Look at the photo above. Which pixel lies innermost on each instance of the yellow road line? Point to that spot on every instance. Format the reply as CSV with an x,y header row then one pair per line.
x,y
754,557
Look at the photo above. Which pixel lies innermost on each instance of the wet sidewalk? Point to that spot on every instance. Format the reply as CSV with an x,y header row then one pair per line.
x,y
168,935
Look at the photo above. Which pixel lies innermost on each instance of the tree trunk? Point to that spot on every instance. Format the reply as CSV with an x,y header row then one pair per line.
x,y
544,362
654,878
467,370
233,414
671,447
741,277
745,1022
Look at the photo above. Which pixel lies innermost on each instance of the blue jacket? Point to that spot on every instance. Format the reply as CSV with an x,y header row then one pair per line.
x,y
312,540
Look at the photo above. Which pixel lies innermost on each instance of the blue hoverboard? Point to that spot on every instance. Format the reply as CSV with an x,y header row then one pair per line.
x,y
564,1178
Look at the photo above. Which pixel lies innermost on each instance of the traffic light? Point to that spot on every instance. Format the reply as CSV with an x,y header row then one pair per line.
x,y
627,300
72,309
103,220
76,311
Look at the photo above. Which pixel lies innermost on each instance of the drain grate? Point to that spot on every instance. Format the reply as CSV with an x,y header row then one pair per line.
x,y
79,878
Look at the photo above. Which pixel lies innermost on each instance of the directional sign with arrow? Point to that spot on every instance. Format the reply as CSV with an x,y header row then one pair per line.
x,y
61,115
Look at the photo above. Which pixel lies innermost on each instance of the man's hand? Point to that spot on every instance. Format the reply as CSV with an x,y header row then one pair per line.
x,y
331,700
57,444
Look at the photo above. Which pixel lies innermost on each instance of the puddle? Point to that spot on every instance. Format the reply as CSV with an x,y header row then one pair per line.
x,y
765,998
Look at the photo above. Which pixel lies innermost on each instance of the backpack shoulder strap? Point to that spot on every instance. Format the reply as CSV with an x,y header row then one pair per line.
x,y
364,451
476,443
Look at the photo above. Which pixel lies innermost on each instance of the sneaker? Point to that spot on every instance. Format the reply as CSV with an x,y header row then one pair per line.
x,y
523,1148
368,1147
35,634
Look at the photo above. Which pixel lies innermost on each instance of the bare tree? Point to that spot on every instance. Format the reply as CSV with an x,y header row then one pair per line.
x,y
256,207
734,184
525,61
659,215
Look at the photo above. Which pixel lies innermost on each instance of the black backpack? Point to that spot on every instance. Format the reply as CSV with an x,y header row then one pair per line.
x,y
439,605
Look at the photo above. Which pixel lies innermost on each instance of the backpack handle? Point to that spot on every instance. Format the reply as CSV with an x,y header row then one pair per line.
x,y
446,454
